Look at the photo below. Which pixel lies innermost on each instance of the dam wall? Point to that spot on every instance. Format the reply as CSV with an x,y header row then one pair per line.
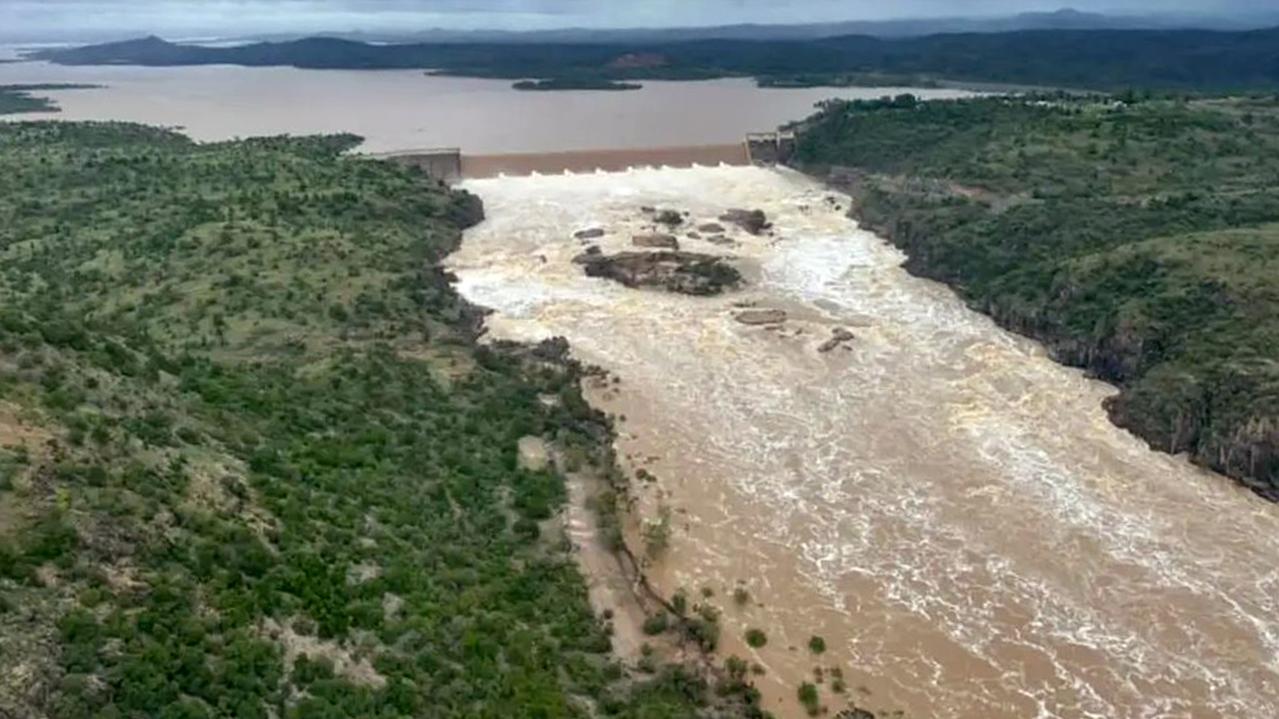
x,y
770,148
546,163
451,165
443,164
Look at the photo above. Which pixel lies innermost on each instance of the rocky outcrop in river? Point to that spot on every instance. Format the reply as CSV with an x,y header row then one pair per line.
x,y
689,273
656,241
753,221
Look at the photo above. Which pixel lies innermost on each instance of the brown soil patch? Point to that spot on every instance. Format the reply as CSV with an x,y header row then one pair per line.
x,y
533,453
15,432
345,664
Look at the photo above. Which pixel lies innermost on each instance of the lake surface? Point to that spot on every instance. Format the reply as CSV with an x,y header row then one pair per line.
x,y
407,109
947,507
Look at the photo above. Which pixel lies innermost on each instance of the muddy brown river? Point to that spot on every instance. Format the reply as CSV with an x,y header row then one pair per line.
x,y
949,509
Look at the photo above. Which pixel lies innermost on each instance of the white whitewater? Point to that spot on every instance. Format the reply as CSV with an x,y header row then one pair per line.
x,y
947,507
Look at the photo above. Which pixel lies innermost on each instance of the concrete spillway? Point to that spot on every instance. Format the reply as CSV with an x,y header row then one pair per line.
x,y
452,164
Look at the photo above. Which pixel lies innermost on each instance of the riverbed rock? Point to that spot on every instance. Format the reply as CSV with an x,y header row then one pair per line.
x,y
753,221
838,336
589,234
761,317
689,273
656,240
670,218
711,228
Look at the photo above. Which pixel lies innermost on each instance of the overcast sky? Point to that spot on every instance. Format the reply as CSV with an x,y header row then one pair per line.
x,y
53,18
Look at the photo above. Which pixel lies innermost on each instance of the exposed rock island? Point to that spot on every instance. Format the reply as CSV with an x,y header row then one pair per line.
x,y
689,273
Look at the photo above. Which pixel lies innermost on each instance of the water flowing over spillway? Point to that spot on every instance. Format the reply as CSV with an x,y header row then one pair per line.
x,y
942,503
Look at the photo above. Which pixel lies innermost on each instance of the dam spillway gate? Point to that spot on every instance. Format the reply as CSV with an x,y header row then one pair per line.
x,y
452,165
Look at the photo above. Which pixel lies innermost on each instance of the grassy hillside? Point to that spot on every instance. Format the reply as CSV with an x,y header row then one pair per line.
x,y
1100,59
1137,238
252,463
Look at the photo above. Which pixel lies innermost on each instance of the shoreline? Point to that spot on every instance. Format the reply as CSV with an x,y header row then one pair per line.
x,y
620,592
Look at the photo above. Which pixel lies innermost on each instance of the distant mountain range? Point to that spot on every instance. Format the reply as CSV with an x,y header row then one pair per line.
x,y
1096,59
1065,19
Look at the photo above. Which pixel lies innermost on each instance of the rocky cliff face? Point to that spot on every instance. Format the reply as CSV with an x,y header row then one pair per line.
x,y
465,209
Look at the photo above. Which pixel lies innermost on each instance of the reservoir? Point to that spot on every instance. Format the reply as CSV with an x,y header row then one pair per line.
x,y
407,109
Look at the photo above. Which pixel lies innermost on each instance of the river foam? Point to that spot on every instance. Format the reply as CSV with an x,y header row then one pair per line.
x,y
947,507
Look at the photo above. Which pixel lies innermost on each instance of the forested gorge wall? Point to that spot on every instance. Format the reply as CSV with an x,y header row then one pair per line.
x,y
1134,238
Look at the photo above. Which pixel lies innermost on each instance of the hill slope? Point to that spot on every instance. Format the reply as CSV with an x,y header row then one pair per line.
x,y
252,461
1062,19
1137,240
1102,59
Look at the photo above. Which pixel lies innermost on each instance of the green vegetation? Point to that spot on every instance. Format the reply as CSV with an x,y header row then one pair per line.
x,y
756,638
16,99
816,644
808,696
576,83
1109,60
657,534
252,461
838,686
1137,236
657,623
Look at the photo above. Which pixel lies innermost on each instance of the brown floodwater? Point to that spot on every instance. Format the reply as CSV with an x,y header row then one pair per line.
x,y
949,509
399,110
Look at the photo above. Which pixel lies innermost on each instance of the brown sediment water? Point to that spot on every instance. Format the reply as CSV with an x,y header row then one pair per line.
x,y
949,509
397,110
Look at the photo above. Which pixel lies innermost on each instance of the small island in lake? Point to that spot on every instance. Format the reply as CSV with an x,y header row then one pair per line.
x,y
575,83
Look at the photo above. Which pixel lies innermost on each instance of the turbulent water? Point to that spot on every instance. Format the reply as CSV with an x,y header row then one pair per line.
x,y
406,109
947,507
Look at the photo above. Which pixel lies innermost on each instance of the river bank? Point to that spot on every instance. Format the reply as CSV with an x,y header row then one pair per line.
x,y
1249,455
1092,227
